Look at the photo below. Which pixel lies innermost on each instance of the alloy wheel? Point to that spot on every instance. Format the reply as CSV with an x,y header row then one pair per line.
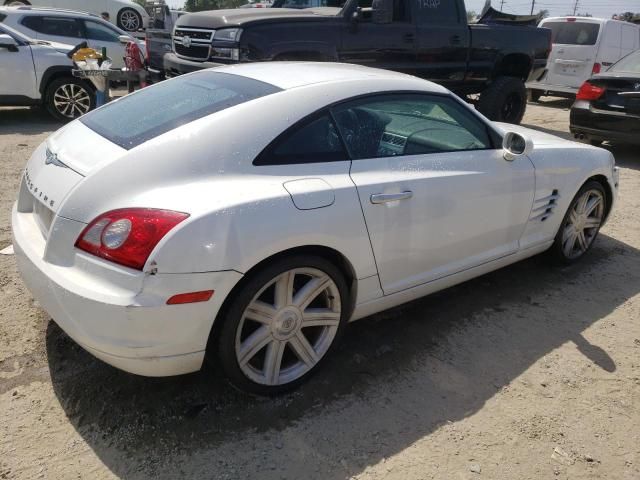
x,y
288,326
583,223
130,20
71,100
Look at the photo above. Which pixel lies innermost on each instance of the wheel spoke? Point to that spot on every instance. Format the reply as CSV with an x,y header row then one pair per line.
x,y
252,345
260,312
569,243
582,241
592,205
303,349
284,290
320,317
273,362
582,203
573,217
310,291
592,223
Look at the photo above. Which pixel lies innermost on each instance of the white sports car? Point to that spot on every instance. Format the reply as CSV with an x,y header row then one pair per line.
x,y
250,212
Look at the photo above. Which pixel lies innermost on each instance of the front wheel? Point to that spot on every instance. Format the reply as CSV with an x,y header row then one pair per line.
x,y
68,98
505,100
283,324
129,20
581,224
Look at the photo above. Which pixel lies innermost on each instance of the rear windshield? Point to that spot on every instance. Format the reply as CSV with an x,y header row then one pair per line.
x,y
573,33
153,111
630,63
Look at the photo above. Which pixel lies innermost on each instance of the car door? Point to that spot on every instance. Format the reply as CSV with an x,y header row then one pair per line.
x,y
17,75
384,45
437,195
101,34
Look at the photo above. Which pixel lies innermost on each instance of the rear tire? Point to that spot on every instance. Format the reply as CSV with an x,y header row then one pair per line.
x,y
505,100
580,225
266,343
67,98
129,20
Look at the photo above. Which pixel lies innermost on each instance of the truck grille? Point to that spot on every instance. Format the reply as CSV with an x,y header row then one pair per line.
x,y
193,43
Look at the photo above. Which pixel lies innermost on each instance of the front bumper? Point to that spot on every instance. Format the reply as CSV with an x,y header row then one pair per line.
x,y
174,65
128,327
593,124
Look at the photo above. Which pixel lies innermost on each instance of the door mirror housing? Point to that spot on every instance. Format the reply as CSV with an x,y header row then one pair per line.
x,y
124,39
515,145
8,42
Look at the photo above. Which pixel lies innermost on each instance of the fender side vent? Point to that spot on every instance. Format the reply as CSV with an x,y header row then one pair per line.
x,y
544,207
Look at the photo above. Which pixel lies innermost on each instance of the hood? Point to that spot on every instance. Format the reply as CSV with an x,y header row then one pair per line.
x,y
234,18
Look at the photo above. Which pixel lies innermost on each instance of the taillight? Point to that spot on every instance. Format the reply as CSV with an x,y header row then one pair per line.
x,y
588,91
596,68
129,235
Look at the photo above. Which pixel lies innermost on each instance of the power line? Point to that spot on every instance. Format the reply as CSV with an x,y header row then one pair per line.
x,y
575,7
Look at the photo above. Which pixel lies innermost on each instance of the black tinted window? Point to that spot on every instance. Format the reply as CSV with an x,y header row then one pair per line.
x,y
573,33
150,112
59,26
100,32
311,141
389,125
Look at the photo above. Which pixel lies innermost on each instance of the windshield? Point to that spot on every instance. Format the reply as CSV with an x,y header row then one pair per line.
x,y
630,63
573,33
307,3
155,110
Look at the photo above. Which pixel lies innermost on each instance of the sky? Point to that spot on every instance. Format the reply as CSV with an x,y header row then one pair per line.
x,y
598,8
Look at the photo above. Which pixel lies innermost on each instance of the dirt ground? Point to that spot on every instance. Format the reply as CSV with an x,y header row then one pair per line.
x,y
531,372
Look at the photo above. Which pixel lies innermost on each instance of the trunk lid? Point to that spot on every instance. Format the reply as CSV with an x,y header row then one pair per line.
x,y
622,93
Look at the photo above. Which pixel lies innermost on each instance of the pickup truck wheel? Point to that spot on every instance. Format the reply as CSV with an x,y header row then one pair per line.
x,y
129,20
505,100
67,98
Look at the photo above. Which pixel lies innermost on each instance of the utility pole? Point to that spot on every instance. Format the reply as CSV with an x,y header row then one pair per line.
x,y
501,4
575,7
533,4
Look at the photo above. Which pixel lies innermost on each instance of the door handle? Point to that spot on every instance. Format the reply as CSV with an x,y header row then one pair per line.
x,y
390,197
408,37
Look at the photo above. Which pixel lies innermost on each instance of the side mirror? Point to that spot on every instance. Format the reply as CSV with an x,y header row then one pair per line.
x,y
515,145
124,39
8,42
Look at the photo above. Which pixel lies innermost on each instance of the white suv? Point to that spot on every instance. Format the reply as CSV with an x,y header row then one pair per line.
x,y
39,73
69,27
126,14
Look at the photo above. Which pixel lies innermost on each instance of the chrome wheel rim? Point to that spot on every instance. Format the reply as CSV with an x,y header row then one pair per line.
x,y
71,100
288,326
583,223
129,20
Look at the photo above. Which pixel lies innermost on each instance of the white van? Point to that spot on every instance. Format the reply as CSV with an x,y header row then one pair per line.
x,y
582,46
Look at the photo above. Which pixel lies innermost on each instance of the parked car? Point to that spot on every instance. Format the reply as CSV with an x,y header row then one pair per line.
x,y
126,14
254,4
357,190
69,27
582,46
158,35
35,72
429,39
607,106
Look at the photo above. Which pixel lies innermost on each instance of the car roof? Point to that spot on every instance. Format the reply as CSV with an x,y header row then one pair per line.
x,y
287,75
47,10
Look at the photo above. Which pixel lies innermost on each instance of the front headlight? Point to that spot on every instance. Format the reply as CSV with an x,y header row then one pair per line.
x,y
228,34
225,53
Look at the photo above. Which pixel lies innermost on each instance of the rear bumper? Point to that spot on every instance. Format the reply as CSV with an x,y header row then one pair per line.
x,y
174,65
557,89
601,125
130,328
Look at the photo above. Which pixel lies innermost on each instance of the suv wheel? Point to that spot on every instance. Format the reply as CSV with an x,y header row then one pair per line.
x,y
505,100
68,98
129,20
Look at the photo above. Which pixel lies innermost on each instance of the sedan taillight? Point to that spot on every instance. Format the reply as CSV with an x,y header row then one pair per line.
x,y
129,235
589,91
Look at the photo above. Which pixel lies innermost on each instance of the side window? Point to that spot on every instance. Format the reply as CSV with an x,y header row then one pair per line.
x,y
56,26
406,124
99,32
310,141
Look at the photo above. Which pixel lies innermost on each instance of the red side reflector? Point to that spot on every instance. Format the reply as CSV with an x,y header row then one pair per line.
x,y
191,297
596,68
589,91
571,19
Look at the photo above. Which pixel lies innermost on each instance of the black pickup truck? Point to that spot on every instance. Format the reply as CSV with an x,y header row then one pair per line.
x,y
427,38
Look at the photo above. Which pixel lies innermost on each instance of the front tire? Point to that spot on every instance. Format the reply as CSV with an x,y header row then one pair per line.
x,y
283,324
581,224
505,100
129,20
68,98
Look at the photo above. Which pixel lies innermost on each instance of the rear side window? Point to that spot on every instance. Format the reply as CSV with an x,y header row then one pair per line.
x,y
573,33
100,32
150,112
58,26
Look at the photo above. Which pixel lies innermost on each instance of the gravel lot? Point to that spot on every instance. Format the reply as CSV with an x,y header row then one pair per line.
x,y
530,372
